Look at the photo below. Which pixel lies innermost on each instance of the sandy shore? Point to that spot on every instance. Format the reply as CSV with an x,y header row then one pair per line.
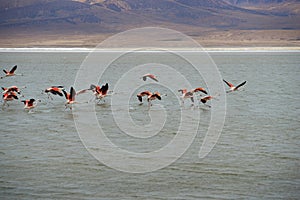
x,y
208,49
218,40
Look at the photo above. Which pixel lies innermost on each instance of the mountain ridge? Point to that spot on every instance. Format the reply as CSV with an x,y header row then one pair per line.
x,y
106,17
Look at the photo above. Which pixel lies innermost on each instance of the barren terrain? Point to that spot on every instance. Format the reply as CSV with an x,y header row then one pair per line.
x,y
213,23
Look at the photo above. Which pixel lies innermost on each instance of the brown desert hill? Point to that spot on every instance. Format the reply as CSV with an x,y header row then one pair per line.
x,y
83,22
255,2
276,7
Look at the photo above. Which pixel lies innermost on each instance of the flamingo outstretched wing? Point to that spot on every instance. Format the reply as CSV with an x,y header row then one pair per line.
x,y
72,94
153,77
243,83
13,69
229,84
200,90
104,89
157,95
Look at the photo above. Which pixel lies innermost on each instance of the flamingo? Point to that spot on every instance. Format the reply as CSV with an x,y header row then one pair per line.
x,y
70,97
100,92
186,95
150,96
55,90
12,89
11,72
190,94
232,87
153,77
205,99
9,96
29,104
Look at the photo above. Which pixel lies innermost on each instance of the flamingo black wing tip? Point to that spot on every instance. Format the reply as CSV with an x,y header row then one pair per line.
x,y
140,98
66,94
243,83
13,69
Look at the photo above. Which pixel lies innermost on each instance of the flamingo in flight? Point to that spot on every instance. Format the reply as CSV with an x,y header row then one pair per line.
x,y
70,98
11,72
29,104
205,99
12,89
55,90
99,92
232,87
190,94
153,77
150,97
9,96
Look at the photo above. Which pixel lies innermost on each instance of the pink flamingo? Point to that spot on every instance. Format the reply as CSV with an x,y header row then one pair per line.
x,y
190,94
205,99
150,97
153,77
232,87
55,90
70,98
29,104
9,96
11,72
12,89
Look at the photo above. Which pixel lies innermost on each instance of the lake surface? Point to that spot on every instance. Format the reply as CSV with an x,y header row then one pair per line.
x,y
256,157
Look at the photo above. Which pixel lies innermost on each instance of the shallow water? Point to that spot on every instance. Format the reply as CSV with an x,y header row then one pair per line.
x,y
257,155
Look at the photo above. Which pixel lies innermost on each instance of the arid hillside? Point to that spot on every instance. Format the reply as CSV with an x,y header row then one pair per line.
x,y
211,22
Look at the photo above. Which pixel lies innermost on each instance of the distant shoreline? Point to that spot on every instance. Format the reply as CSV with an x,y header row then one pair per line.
x,y
210,39
208,49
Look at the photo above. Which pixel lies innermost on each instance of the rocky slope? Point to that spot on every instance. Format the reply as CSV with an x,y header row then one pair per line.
x,y
105,17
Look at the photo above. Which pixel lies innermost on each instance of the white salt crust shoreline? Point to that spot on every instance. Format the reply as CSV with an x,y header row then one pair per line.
x,y
210,49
